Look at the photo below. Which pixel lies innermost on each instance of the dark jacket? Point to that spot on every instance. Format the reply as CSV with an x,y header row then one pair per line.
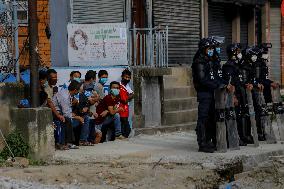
x,y
206,74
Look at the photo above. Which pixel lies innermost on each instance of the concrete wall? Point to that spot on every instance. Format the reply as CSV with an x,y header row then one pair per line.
x,y
11,93
35,124
148,96
151,101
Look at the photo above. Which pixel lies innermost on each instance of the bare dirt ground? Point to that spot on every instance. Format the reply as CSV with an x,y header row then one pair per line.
x,y
163,161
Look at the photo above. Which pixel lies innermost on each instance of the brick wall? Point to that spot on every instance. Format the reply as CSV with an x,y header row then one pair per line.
x,y
44,42
282,51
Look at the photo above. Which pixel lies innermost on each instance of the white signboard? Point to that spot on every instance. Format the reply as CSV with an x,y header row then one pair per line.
x,y
97,44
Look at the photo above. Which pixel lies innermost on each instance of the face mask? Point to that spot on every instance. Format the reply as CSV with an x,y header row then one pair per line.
x,y
125,81
103,81
265,56
218,50
115,92
240,56
77,79
210,53
254,58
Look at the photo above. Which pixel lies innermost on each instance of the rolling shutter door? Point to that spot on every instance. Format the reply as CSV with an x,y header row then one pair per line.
x,y
244,26
99,11
183,19
220,24
275,30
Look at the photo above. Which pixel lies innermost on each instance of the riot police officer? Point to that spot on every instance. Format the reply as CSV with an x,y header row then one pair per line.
x,y
263,72
252,59
232,71
206,79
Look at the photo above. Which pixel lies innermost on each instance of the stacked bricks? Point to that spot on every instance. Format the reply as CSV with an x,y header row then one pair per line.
x,y
43,41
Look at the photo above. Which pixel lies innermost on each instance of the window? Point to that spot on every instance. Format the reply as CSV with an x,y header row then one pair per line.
x,y
22,12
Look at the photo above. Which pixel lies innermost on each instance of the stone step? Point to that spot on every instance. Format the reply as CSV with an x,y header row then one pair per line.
x,y
180,117
177,92
165,129
171,81
180,104
175,81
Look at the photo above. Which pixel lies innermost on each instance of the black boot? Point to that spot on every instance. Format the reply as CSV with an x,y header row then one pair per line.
x,y
201,139
242,143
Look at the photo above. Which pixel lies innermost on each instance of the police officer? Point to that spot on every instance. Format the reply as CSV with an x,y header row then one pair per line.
x,y
206,80
263,72
252,59
231,70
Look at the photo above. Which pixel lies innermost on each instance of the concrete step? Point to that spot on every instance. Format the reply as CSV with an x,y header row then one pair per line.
x,y
180,104
170,81
177,92
180,117
165,129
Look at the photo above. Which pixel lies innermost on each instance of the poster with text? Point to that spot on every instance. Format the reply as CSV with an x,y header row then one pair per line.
x,y
97,44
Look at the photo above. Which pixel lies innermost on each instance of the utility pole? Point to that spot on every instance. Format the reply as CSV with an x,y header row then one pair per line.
x,y
33,41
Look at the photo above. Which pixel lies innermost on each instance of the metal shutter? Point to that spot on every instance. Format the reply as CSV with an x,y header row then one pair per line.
x,y
275,32
98,11
183,19
220,24
244,25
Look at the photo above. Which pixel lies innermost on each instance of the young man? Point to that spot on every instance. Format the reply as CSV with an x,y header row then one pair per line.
x,y
90,78
99,87
74,75
108,111
62,102
126,95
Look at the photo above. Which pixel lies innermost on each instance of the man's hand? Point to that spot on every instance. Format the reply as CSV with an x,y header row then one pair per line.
x,y
236,102
95,115
230,88
85,109
260,87
81,120
104,113
120,109
61,118
74,101
249,86
274,85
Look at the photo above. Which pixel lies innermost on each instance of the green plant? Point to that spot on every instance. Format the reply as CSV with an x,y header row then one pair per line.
x,y
17,145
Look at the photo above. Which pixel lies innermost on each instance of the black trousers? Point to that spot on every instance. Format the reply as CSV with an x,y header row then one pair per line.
x,y
125,127
206,123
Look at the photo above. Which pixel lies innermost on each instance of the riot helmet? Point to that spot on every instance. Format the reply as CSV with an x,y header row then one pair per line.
x,y
234,51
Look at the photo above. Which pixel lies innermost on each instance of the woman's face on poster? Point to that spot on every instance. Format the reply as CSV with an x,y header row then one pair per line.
x,y
80,42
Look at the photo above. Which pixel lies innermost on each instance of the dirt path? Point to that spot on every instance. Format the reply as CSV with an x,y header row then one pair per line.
x,y
162,161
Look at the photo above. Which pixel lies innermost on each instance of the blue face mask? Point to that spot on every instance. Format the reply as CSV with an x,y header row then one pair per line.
x,y
77,79
210,53
103,80
115,92
218,50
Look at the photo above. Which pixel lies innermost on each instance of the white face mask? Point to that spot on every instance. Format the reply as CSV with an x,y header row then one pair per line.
x,y
240,56
253,58
265,56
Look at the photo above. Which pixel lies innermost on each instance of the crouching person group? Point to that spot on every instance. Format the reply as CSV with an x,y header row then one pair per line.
x,y
82,114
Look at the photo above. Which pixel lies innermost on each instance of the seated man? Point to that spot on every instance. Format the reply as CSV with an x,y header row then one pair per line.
x,y
108,111
62,102
90,78
99,87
